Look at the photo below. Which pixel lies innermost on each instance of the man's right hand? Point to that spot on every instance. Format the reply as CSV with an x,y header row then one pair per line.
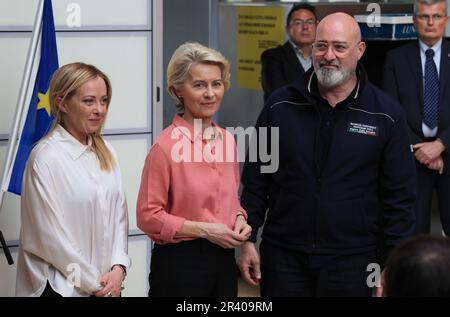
x,y
249,264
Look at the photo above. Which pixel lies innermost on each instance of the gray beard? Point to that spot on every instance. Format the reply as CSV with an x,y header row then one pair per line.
x,y
331,78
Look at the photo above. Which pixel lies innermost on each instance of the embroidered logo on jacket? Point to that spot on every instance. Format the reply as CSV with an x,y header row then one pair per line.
x,y
362,129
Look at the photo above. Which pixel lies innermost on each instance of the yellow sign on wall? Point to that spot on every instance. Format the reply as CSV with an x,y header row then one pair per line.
x,y
258,28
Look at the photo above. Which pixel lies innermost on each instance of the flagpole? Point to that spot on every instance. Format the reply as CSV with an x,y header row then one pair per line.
x,y
13,137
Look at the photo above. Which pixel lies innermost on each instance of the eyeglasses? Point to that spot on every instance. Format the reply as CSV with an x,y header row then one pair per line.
x,y
426,17
338,49
300,23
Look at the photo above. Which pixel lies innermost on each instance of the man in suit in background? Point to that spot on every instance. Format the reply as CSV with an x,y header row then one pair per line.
x,y
417,75
283,64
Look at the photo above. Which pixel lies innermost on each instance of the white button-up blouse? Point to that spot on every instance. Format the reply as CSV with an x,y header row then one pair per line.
x,y
74,219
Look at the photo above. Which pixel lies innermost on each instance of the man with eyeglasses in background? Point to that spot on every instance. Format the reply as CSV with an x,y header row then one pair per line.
x,y
417,75
285,63
346,177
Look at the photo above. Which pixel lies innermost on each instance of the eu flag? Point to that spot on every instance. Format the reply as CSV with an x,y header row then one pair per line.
x,y
39,118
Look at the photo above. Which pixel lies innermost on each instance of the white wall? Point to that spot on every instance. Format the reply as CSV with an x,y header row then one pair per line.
x,y
123,39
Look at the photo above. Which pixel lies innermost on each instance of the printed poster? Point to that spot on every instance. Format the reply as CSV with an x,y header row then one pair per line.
x,y
258,28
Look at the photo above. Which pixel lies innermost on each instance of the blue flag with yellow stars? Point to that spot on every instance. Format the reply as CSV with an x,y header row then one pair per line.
x,y
39,118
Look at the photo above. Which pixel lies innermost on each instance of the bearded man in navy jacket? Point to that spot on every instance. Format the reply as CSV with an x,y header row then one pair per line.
x,y
345,187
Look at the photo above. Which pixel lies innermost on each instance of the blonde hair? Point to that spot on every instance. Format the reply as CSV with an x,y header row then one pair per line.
x,y
184,57
64,84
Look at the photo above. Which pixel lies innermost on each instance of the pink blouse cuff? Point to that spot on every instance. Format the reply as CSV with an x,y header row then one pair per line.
x,y
171,226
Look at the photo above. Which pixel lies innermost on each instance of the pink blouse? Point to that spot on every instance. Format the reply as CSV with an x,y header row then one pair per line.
x,y
188,177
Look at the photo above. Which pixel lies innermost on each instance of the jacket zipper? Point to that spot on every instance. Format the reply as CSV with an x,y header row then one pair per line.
x,y
319,177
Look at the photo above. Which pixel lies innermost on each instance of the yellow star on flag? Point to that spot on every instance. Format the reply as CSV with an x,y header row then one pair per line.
x,y
44,102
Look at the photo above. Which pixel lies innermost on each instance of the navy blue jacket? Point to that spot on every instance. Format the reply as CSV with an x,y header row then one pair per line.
x,y
365,190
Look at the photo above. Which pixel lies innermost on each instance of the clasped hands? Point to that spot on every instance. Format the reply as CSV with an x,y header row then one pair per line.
x,y
111,283
221,235
429,154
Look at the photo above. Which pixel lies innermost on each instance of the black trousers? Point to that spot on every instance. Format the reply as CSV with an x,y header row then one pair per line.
x,y
288,273
196,268
49,291
427,182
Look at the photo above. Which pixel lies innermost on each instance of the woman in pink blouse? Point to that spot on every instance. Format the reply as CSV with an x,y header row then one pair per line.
x,y
188,202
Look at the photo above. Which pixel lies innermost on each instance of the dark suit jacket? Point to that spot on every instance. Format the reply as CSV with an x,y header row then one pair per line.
x,y
279,66
403,79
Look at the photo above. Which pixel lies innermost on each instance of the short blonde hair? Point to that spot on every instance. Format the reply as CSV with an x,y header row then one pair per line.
x,y
64,84
189,54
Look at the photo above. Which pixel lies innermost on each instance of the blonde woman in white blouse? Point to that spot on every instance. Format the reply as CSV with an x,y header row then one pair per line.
x,y
74,231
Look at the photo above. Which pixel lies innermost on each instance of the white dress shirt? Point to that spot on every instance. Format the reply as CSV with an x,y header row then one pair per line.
x,y
74,219
306,62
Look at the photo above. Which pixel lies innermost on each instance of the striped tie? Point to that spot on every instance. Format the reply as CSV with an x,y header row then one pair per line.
x,y
431,93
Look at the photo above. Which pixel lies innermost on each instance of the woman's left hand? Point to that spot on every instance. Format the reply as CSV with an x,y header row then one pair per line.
x,y
112,283
242,228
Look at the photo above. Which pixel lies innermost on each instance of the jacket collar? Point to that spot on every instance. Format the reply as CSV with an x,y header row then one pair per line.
x,y
307,84
413,57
